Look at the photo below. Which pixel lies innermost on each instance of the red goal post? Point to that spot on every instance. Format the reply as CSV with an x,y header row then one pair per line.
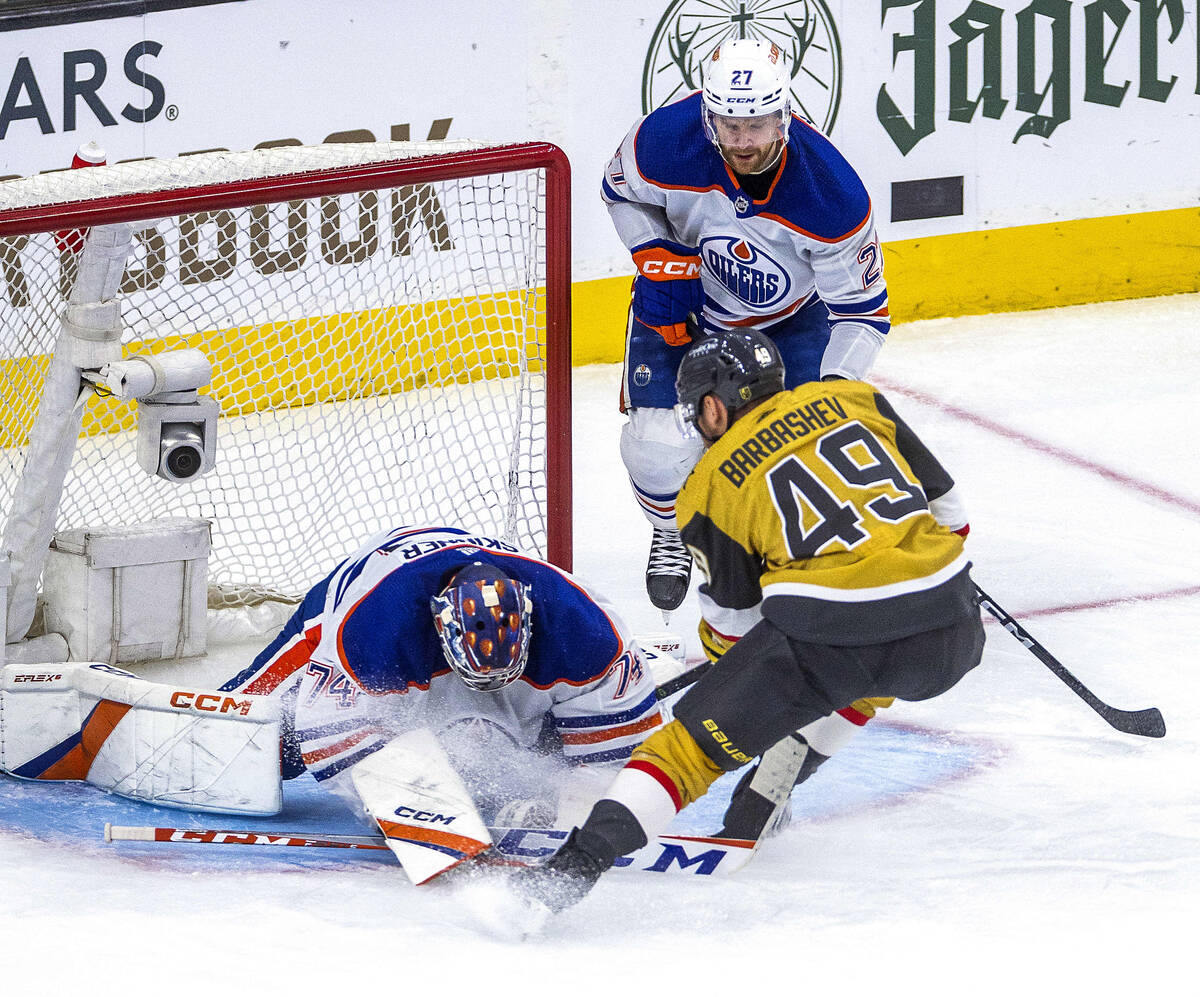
x,y
378,316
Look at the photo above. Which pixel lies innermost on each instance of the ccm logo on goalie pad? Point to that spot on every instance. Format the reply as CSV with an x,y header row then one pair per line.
x,y
208,702
426,816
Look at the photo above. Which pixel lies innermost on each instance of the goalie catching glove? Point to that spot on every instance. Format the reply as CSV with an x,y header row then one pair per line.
x,y
667,291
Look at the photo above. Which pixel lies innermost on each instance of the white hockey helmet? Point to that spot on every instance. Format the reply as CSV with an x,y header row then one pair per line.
x,y
747,78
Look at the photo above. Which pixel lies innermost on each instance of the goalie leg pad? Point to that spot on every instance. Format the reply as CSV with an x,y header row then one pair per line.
x,y
422,806
191,748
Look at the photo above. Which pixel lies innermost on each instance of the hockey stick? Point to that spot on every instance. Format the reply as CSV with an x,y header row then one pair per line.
x,y
674,853
664,652
684,679
1144,723
204,836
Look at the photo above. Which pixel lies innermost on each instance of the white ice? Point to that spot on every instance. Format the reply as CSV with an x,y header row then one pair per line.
x,y
1068,864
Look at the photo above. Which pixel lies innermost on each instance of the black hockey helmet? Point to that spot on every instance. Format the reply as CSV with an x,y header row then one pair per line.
x,y
738,367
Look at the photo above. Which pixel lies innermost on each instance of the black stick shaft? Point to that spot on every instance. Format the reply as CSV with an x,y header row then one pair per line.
x,y
672,686
1145,723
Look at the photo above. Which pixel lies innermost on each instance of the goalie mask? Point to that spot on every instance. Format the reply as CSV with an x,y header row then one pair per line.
x,y
738,367
484,621
747,80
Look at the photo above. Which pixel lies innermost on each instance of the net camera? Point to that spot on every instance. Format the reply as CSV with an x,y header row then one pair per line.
x,y
177,426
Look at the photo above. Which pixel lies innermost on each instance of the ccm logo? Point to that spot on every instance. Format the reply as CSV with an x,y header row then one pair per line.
x,y
37,677
207,702
428,816
671,268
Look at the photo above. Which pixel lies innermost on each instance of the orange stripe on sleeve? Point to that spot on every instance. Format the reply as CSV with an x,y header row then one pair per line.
x,y
286,665
612,733
319,754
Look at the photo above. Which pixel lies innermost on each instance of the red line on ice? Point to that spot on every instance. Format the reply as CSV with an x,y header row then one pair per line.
x,y
1108,473
1120,600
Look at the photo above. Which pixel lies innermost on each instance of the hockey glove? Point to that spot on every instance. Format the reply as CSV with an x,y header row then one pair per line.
x,y
667,291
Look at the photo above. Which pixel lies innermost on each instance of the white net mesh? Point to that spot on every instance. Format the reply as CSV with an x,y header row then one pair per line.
x,y
379,356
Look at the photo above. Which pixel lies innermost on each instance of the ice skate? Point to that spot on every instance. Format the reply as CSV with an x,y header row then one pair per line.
x,y
668,571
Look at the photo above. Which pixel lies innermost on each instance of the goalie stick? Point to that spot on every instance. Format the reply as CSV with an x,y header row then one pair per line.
x,y
1144,723
670,853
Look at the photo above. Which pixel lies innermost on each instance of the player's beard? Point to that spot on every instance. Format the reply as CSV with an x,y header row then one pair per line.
x,y
759,163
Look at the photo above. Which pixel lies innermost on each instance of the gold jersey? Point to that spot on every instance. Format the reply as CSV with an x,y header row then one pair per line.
x,y
817,503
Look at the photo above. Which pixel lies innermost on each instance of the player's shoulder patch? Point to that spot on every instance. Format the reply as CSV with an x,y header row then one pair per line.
x,y
672,151
822,194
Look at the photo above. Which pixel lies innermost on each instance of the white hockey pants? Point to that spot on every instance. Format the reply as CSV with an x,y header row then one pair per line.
x,y
658,460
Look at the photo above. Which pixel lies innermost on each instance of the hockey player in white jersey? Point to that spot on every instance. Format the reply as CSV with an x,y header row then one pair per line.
x,y
739,215
498,653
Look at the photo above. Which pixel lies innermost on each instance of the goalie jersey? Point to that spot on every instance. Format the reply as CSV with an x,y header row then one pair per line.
x,y
811,239
814,510
362,658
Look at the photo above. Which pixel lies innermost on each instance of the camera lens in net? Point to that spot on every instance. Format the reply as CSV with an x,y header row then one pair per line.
x,y
184,462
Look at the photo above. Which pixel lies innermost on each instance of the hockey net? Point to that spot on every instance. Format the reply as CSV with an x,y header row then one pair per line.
x,y
388,326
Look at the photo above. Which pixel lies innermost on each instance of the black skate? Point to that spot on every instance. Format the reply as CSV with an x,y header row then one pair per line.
x,y
564,879
668,571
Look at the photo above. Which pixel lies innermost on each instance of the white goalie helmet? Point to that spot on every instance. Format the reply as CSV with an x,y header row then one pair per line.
x,y
747,78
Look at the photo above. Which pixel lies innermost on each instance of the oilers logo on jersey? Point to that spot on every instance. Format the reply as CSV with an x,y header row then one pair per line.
x,y
746,270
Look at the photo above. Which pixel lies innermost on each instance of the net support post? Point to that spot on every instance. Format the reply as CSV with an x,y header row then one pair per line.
x,y
558,347
90,335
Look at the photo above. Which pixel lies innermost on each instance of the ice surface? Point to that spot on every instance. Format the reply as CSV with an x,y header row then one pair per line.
x,y
1064,860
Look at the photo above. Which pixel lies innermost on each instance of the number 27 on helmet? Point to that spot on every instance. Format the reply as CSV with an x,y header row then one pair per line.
x,y
746,83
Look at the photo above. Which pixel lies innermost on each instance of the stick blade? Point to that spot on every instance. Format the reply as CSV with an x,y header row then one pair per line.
x,y
1143,723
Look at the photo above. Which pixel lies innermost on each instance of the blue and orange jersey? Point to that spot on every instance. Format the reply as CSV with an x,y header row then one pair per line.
x,y
810,236
364,656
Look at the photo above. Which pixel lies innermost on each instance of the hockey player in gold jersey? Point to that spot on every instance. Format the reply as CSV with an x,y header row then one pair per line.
x,y
835,580
808,505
